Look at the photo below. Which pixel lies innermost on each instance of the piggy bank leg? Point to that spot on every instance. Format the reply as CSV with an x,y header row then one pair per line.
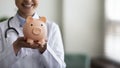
x,y
30,41
42,43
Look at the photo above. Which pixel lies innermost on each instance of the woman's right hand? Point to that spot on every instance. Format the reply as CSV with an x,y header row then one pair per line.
x,y
21,43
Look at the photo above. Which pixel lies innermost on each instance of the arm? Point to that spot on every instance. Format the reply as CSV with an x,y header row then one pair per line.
x,y
7,55
54,55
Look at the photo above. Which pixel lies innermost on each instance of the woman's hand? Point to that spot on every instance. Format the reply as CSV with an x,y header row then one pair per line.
x,y
21,43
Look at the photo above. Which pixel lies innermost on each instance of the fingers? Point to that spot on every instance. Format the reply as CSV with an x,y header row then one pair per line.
x,y
42,44
34,46
42,48
21,41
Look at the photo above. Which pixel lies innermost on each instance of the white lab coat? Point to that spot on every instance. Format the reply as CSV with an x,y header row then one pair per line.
x,y
53,57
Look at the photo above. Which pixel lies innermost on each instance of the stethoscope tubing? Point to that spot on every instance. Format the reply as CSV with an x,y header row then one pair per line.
x,y
10,28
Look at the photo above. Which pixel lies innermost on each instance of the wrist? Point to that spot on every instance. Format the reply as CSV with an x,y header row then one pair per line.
x,y
16,47
42,48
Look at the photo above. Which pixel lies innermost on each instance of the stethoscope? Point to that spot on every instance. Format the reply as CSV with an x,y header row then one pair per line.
x,y
10,28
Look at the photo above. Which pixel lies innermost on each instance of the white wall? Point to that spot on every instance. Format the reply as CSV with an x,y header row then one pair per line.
x,y
7,8
52,9
83,26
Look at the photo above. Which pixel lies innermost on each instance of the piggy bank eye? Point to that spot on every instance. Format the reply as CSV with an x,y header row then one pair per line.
x,y
41,24
31,24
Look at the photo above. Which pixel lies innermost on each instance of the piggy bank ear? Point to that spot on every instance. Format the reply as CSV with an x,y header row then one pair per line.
x,y
29,19
43,19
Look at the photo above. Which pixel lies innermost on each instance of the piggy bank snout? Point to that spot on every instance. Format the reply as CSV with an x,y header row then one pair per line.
x,y
36,31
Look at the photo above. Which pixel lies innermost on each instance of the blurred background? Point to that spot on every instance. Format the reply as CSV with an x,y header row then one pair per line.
x,y
90,29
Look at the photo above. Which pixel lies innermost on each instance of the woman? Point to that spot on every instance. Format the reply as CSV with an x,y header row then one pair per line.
x,y
16,53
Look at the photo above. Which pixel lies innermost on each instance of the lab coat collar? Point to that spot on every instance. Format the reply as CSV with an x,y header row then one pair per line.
x,y
35,15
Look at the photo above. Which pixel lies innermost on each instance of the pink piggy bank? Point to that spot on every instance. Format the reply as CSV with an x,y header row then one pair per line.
x,y
35,30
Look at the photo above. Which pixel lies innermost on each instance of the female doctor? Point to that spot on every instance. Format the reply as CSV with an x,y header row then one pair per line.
x,y
16,53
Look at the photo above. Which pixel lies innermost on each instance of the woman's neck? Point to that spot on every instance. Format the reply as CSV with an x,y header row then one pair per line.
x,y
25,15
